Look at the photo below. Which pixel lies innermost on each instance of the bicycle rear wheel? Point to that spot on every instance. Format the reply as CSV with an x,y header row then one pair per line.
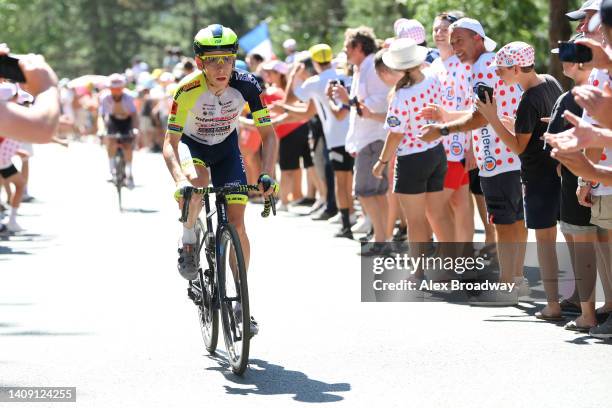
x,y
233,298
208,312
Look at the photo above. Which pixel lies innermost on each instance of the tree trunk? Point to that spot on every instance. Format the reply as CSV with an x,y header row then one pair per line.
x,y
559,30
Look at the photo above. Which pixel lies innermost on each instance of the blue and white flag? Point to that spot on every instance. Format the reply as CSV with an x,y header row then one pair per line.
x,y
257,41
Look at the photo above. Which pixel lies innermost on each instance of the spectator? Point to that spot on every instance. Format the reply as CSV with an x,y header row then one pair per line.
x,y
39,123
514,64
293,144
499,166
312,90
290,48
254,60
453,76
420,167
579,233
405,28
9,174
365,138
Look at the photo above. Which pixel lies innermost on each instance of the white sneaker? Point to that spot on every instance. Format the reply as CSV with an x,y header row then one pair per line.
x,y
336,219
130,183
12,226
363,226
282,207
523,287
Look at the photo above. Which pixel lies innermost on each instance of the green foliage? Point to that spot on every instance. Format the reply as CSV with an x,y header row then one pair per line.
x,y
102,36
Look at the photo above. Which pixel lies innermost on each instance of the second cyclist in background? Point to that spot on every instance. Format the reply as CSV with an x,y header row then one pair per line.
x,y
118,115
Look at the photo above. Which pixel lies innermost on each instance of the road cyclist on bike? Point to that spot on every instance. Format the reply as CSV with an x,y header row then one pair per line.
x,y
118,122
202,135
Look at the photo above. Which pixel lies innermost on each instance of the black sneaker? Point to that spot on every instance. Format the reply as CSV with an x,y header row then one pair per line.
x,y
602,331
344,233
368,237
324,215
401,234
304,202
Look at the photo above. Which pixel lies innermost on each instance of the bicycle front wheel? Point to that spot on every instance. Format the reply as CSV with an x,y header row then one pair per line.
x,y
119,175
233,298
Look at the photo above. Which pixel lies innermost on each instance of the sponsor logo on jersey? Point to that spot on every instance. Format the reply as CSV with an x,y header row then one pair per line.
x,y
450,93
393,121
247,77
174,108
485,138
175,128
191,85
456,148
489,163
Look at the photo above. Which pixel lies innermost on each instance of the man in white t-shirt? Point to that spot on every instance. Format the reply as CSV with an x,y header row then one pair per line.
x,y
499,166
312,91
366,136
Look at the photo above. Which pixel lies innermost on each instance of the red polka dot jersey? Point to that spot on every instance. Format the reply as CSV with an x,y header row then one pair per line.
x,y
492,155
8,148
404,114
453,77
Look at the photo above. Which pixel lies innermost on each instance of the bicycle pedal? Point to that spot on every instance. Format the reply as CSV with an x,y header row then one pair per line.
x,y
193,295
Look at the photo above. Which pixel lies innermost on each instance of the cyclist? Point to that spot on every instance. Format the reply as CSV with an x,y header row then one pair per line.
x,y
202,134
118,115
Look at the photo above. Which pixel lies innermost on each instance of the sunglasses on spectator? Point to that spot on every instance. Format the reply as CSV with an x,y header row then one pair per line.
x,y
448,17
222,59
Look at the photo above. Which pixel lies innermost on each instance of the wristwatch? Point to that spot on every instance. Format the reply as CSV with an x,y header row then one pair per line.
x,y
583,183
444,131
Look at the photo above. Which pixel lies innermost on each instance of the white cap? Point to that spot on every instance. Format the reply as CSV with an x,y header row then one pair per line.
x,y
475,26
275,65
289,44
589,5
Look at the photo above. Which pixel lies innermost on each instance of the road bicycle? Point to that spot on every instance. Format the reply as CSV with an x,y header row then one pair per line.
x,y
222,286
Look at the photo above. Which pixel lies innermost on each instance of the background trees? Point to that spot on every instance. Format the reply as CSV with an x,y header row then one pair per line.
x,y
102,36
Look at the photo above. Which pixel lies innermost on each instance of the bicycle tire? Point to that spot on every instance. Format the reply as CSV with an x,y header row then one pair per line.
x,y
208,316
237,339
119,175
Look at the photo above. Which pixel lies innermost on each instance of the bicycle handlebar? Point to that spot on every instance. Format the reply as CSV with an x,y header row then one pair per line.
x,y
187,192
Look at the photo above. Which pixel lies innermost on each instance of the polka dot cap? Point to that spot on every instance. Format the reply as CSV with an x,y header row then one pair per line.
x,y
515,53
405,28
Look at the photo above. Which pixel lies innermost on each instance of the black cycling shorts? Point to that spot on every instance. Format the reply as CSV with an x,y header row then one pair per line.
x,y
225,163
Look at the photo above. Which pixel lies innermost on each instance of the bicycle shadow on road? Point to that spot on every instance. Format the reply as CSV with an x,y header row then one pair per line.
x,y
273,379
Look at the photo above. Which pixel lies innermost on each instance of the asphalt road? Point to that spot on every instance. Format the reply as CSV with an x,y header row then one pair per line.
x,y
90,298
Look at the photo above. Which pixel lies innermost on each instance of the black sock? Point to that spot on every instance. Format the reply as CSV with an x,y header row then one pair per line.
x,y
346,223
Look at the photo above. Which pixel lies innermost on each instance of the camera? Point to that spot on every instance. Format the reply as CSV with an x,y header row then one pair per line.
x,y
482,90
10,69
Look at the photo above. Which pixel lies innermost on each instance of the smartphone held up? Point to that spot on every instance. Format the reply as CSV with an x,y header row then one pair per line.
x,y
10,69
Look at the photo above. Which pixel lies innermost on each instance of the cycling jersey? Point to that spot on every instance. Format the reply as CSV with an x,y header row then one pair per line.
x,y
209,119
120,110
